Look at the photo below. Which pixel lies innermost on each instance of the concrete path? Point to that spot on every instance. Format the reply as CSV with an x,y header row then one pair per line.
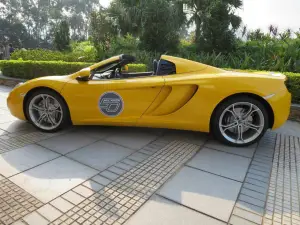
x,y
139,176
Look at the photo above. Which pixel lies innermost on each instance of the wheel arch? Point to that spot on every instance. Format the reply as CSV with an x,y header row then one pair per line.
x,y
257,97
31,92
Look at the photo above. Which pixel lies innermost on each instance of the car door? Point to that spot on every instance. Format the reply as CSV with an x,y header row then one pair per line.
x,y
111,102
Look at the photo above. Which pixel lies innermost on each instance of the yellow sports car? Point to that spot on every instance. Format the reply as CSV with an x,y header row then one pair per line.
x,y
237,108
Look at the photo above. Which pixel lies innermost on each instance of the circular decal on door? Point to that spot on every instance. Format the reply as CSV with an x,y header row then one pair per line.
x,y
111,104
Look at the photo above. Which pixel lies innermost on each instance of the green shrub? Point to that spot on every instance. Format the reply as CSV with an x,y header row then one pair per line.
x,y
84,55
33,69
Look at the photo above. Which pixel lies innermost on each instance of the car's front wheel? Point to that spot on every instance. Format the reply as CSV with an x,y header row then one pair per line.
x,y
47,111
240,121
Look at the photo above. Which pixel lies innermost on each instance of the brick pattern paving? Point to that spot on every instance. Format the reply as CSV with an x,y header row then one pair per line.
x,y
119,199
20,139
283,197
250,205
51,211
15,202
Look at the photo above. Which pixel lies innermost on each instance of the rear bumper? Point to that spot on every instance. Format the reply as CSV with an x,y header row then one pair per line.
x,y
281,105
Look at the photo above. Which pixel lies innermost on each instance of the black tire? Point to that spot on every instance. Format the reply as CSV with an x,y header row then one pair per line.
x,y
215,129
65,122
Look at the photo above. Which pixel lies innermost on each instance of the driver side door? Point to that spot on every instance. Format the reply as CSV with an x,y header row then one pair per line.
x,y
111,101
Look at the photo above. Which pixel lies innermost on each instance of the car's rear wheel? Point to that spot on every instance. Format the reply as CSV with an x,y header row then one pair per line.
x,y
47,111
240,121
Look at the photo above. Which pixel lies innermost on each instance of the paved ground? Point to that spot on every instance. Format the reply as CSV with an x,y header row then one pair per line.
x,y
134,176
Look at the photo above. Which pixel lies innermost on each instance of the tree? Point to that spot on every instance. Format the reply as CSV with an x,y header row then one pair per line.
x,y
102,31
62,37
215,22
158,23
157,34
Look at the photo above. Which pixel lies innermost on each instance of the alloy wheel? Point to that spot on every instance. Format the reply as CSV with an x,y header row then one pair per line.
x,y
241,122
45,112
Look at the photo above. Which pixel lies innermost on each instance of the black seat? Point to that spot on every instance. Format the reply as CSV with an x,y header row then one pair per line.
x,y
155,64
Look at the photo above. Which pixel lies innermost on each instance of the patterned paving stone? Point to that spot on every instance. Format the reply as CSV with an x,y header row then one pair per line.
x,y
283,201
21,139
123,196
250,206
15,202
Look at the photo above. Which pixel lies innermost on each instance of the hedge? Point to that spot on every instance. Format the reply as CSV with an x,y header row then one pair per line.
x,y
49,55
34,69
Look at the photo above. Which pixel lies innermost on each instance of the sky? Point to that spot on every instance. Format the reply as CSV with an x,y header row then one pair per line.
x,y
261,13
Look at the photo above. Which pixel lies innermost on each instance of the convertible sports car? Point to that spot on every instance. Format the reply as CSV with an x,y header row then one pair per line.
x,y
237,108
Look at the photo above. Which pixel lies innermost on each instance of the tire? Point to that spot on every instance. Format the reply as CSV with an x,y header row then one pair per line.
x,y
51,119
230,125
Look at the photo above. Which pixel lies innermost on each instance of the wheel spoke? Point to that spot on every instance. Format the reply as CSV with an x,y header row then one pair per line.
x,y
250,112
232,125
252,126
240,133
41,118
233,113
37,108
52,120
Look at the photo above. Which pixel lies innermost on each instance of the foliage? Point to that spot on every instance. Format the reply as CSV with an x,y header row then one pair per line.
x,y
48,55
14,33
159,26
34,69
157,23
215,22
102,31
62,37
40,17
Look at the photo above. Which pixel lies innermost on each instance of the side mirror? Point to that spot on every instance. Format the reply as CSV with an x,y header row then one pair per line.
x,y
82,78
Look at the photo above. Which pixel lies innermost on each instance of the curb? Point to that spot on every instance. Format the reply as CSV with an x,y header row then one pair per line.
x,y
11,82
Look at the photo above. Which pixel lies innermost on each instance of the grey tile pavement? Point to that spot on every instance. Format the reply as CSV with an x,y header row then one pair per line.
x,y
100,155
52,179
221,163
160,211
115,176
204,192
22,159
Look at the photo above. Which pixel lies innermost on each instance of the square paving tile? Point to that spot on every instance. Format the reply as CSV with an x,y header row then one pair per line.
x,y
66,143
21,159
160,211
100,155
221,163
132,138
192,137
15,126
3,132
202,191
242,151
98,132
5,116
51,179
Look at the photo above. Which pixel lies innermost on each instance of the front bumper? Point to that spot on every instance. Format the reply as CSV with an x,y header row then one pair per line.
x,y
281,105
15,104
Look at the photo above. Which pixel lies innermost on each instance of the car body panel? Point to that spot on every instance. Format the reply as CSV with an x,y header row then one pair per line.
x,y
185,100
137,95
15,100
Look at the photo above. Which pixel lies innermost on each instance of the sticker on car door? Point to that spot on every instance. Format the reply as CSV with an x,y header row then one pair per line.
x,y
111,104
